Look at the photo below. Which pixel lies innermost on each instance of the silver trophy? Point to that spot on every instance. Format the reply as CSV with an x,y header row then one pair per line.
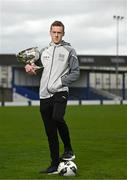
x,y
30,56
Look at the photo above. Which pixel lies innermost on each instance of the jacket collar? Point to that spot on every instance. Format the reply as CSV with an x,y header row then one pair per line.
x,y
62,43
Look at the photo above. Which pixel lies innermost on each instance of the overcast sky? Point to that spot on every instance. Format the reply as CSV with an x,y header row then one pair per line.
x,y
89,24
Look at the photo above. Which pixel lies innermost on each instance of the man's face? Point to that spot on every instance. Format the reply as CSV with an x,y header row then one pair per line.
x,y
56,34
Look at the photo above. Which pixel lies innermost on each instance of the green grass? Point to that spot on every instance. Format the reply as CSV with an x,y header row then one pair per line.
x,y
98,133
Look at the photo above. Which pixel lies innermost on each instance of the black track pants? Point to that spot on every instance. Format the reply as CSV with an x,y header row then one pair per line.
x,y
52,112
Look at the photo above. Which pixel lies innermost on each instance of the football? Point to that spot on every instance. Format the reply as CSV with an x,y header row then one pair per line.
x,y
67,168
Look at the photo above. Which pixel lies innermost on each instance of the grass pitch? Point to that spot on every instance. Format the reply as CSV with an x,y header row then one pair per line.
x,y
98,133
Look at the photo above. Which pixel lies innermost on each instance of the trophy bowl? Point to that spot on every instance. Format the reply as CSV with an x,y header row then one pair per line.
x,y
29,56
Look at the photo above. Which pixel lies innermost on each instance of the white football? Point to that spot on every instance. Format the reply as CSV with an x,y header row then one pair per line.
x,y
67,168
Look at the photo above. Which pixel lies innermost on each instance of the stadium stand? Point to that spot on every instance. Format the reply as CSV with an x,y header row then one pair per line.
x,y
97,80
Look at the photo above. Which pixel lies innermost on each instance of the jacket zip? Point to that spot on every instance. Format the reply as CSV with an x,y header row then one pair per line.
x,y
51,68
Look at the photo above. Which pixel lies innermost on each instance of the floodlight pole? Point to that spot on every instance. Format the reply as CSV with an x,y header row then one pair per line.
x,y
118,19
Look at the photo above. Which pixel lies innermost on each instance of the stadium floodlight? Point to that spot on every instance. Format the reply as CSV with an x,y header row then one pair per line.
x,y
118,19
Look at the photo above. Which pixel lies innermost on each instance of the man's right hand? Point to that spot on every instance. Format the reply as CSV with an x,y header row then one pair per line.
x,y
30,69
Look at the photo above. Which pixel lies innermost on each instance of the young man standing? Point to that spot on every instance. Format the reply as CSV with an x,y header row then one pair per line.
x,y
61,68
